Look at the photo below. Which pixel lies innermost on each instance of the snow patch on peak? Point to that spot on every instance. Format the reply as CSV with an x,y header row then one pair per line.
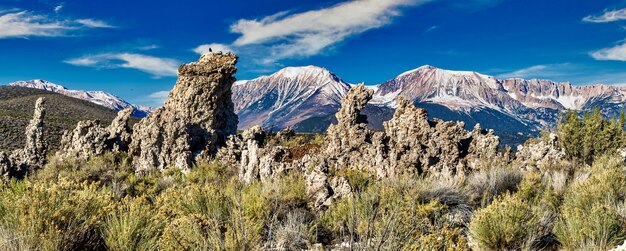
x,y
571,102
97,97
39,84
240,82
423,67
294,72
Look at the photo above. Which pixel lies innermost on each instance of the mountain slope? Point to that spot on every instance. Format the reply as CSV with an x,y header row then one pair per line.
x,y
96,97
535,103
62,113
515,108
288,97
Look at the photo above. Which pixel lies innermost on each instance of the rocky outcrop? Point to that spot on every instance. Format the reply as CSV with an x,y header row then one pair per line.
x,y
256,159
33,155
350,143
410,144
196,119
538,153
90,139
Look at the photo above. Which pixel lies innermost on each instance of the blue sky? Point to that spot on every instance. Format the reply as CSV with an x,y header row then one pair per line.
x,y
132,48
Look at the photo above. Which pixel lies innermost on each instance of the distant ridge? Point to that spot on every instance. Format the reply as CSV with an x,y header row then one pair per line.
x,y
306,99
97,97
62,113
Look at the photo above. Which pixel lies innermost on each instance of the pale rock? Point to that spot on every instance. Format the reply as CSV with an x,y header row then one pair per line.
x,y
195,121
340,187
90,139
316,181
537,154
33,155
248,151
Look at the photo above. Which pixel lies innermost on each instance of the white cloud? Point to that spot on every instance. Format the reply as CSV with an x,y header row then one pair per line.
x,y
607,16
155,99
432,28
18,23
92,23
58,8
308,33
26,24
158,97
541,71
616,53
158,67
202,49
148,47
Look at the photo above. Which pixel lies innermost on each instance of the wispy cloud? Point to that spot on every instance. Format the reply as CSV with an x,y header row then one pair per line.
x,y
543,71
156,99
19,23
308,33
92,23
202,49
58,8
286,35
432,28
148,47
607,16
616,53
26,24
158,67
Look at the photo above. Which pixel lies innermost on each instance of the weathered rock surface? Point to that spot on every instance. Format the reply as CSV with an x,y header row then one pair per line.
x,y
538,154
195,120
410,144
33,155
248,151
90,139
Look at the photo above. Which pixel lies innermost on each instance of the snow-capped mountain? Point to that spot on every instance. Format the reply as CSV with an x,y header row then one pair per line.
x,y
517,108
288,97
530,102
98,97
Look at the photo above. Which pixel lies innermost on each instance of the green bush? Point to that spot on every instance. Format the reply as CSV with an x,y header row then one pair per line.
x,y
134,226
589,217
59,216
508,223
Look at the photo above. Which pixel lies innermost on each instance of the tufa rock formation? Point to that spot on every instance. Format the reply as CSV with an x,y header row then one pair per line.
x,y
33,155
255,156
410,144
90,139
196,119
536,154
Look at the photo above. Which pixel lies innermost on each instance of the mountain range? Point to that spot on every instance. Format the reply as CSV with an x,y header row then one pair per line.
x,y
306,98
97,97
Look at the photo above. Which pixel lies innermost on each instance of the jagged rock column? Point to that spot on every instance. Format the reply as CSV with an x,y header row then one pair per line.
x,y
350,141
33,155
195,120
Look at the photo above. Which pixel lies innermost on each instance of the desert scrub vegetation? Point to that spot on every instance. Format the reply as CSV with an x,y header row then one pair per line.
x,y
101,204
